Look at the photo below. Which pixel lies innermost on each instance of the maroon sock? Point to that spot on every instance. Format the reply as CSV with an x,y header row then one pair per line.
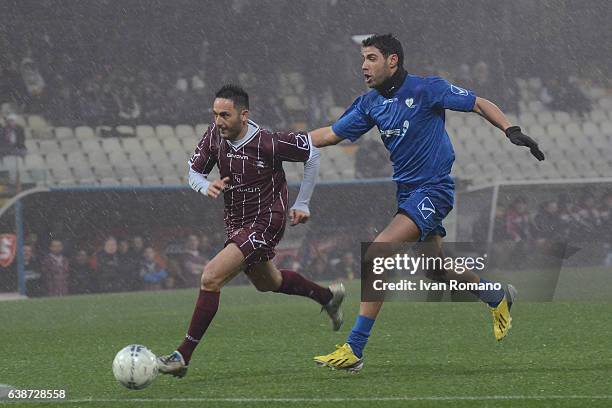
x,y
205,310
295,284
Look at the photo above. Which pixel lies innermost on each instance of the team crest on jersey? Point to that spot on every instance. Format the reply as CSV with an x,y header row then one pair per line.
x,y
257,243
410,103
426,208
302,142
458,91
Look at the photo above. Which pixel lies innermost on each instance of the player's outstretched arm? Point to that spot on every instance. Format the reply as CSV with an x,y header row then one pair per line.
x,y
324,137
496,117
300,213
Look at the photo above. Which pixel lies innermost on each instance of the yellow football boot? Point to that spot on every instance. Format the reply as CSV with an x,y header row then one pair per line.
x,y
502,321
341,359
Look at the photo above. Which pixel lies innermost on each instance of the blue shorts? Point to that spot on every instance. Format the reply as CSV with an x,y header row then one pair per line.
x,y
427,205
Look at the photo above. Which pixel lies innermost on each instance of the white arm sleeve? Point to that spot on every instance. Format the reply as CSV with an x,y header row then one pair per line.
x,y
198,181
311,170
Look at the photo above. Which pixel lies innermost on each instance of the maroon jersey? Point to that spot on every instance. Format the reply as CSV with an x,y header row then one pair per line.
x,y
256,198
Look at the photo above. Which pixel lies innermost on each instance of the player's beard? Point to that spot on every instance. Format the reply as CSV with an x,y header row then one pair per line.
x,y
233,131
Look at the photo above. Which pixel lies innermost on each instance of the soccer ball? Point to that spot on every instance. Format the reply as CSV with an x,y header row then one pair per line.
x,y
135,366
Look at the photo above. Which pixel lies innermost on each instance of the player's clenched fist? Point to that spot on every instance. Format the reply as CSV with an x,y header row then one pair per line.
x,y
216,187
298,217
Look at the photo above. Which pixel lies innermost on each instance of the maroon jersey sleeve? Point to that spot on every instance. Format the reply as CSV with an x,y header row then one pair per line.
x,y
294,147
205,156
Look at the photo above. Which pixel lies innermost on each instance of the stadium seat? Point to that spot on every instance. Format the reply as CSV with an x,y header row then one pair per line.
x,y
178,157
573,129
189,146
469,170
55,159
139,158
48,146
598,115
125,170
171,180
91,146
535,106
103,171
606,128
599,141
111,145
562,118
584,168
75,158
537,131
164,131
31,145
200,129
81,170
34,161
109,181
545,117
63,133
117,157
151,180
39,127
39,176
158,155
605,103
527,119
185,131
590,129
145,131
97,158
131,145
69,145
126,131
151,144
474,121
165,168
61,173
84,133
334,113
553,131
602,168
170,144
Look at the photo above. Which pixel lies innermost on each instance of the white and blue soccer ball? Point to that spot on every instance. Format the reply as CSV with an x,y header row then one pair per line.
x,y
135,367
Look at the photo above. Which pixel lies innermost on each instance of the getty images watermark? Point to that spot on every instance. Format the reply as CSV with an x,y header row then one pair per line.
x,y
457,271
411,264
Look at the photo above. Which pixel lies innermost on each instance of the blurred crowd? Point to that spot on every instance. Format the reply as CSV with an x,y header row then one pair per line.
x,y
561,219
521,227
57,268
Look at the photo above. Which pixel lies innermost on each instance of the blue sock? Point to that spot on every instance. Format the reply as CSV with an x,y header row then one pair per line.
x,y
359,334
490,297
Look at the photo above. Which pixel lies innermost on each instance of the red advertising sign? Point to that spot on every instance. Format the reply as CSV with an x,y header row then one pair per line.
x,y
8,245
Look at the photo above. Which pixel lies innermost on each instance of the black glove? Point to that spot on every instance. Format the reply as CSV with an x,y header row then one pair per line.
x,y
517,137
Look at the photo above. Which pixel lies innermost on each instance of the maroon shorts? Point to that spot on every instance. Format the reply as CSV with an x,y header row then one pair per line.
x,y
258,240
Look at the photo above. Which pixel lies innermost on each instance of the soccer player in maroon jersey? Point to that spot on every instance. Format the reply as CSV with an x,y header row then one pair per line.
x,y
254,189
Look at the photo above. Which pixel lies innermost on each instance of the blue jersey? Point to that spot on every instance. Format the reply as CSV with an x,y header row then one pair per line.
x,y
411,125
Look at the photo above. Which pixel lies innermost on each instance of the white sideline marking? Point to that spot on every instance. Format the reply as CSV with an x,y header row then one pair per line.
x,y
323,400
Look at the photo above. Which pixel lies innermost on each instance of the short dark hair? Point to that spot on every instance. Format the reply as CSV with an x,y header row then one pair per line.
x,y
387,44
235,94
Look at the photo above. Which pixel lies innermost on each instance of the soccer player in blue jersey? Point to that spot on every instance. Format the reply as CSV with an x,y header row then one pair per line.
x,y
409,113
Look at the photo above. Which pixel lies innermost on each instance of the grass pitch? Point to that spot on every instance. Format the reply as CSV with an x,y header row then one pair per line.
x,y
258,352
